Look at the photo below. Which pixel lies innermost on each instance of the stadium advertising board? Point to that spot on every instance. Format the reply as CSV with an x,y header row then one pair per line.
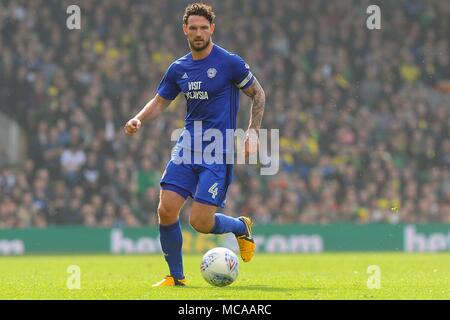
x,y
269,238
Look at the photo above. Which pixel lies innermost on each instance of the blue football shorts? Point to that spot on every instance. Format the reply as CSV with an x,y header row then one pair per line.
x,y
205,183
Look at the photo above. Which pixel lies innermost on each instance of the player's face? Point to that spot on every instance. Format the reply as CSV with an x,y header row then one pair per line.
x,y
198,31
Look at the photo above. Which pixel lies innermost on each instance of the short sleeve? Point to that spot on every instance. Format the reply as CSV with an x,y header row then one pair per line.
x,y
241,75
168,88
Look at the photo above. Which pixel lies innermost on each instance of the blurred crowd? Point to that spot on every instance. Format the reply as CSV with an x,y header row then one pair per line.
x,y
364,133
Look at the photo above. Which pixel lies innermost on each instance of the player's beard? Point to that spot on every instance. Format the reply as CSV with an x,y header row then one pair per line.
x,y
203,47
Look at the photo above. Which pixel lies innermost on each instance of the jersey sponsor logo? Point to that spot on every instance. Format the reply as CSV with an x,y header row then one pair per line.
x,y
194,85
211,72
194,91
199,95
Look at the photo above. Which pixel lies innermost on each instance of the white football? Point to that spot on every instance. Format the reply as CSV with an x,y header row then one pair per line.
x,y
220,267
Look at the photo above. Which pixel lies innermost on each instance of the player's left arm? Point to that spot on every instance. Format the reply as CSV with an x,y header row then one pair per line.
x,y
256,93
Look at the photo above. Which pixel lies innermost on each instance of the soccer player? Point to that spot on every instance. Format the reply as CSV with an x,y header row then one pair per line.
x,y
210,78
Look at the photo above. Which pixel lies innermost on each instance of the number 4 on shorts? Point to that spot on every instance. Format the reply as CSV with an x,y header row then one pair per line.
x,y
213,190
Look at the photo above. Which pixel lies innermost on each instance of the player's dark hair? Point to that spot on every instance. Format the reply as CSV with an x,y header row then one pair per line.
x,y
199,9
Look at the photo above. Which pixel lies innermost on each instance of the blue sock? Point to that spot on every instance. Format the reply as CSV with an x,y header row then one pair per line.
x,y
225,224
171,243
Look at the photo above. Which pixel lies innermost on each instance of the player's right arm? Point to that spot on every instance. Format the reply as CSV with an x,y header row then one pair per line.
x,y
149,112
167,91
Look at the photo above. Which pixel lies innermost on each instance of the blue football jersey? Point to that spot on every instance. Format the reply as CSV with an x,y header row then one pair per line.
x,y
211,88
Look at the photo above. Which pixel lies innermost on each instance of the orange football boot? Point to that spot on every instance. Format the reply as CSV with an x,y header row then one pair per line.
x,y
245,242
170,281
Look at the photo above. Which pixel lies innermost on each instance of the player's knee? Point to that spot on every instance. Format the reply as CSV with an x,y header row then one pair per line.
x,y
167,215
200,224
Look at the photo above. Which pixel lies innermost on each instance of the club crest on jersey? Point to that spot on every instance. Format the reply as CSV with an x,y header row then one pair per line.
x,y
211,72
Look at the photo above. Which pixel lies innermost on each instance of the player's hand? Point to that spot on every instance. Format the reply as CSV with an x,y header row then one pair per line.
x,y
251,143
132,126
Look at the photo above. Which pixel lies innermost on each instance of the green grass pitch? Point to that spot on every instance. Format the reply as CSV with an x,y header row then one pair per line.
x,y
267,276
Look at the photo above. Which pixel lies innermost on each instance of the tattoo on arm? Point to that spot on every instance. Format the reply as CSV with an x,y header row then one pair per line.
x,y
256,92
